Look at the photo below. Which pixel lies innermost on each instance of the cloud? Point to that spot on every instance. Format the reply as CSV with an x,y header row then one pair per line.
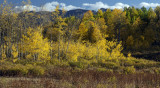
x,y
26,7
71,7
99,5
95,6
119,6
145,4
51,6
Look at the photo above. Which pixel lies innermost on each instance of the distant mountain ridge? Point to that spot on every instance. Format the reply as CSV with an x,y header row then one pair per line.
x,y
76,12
45,17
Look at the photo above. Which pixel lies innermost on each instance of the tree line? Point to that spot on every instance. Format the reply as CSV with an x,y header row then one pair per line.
x,y
97,36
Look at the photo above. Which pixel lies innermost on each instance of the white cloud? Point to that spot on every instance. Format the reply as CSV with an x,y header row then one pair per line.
x,y
26,7
71,7
119,6
51,6
95,6
99,5
145,4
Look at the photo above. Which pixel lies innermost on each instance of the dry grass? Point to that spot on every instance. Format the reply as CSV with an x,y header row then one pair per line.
x,y
68,78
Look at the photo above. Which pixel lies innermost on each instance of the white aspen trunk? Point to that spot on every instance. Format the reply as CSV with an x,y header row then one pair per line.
x,y
59,48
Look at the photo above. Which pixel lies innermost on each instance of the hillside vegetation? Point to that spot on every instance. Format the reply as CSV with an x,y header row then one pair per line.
x,y
60,47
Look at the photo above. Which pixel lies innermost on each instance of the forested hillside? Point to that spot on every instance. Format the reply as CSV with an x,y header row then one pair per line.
x,y
136,29
53,44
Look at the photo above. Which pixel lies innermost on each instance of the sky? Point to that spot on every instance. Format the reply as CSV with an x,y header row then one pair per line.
x,y
49,5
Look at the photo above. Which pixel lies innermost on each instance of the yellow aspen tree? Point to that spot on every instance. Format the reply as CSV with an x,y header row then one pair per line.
x,y
36,47
116,23
72,22
96,35
99,14
59,25
3,52
102,26
151,14
88,29
114,49
14,53
82,30
8,19
88,16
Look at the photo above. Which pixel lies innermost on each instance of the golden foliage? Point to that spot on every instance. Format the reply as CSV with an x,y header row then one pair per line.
x,y
77,51
14,53
35,45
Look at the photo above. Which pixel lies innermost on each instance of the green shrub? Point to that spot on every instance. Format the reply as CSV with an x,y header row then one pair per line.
x,y
13,70
64,63
101,69
36,70
144,65
54,61
140,65
24,61
157,70
57,62
128,63
94,64
9,72
109,65
76,64
81,64
23,69
129,70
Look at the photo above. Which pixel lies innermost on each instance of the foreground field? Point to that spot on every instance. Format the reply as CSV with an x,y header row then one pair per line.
x,y
84,79
112,73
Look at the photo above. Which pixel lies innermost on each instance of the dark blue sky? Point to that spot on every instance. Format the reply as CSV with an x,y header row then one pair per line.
x,y
80,2
89,4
